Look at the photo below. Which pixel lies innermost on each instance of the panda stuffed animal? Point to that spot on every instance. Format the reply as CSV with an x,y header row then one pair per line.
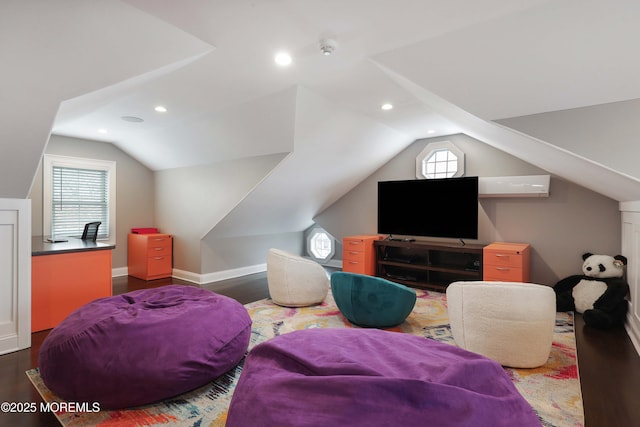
x,y
599,294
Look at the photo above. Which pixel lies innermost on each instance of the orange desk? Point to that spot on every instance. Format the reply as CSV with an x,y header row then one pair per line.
x,y
65,276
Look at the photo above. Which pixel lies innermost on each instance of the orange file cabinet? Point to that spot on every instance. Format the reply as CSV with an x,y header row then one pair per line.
x,y
507,262
150,256
359,255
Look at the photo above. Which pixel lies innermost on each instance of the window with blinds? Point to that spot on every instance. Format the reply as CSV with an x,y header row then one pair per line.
x,y
79,196
76,192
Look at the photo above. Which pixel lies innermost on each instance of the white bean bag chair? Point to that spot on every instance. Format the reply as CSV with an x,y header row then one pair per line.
x,y
511,323
295,281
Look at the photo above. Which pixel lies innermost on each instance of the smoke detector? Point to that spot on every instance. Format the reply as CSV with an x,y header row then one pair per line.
x,y
327,46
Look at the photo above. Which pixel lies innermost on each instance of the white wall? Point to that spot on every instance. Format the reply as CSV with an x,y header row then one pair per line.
x,y
605,133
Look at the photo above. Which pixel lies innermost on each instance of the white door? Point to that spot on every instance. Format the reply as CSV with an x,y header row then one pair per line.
x,y
15,274
631,249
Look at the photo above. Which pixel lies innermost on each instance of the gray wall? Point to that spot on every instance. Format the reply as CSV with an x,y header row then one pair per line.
x,y
560,228
243,251
191,201
185,202
134,186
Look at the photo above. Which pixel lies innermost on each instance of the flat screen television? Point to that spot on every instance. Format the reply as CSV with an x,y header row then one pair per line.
x,y
446,207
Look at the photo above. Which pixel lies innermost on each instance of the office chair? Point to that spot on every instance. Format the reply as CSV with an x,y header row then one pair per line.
x,y
91,231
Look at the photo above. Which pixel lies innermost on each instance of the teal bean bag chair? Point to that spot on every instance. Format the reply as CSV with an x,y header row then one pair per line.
x,y
371,302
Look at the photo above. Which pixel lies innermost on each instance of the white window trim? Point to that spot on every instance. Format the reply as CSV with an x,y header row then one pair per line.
x,y
437,146
51,160
317,230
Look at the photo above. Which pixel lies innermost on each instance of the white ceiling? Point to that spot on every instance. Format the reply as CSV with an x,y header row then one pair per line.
x,y
234,44
494,58
72,67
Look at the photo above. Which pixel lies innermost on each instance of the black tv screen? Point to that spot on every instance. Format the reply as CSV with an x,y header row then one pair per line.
x,y
446,207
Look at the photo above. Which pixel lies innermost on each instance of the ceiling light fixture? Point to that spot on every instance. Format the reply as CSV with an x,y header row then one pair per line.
x,y
283,59
102,131
430,131
386,106
161,109
327,46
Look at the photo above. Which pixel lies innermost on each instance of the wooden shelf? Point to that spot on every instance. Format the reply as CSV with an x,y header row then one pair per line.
x,y
427,265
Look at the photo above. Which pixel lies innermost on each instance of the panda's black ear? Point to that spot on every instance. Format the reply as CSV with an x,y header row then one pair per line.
x,y
586,255
621,258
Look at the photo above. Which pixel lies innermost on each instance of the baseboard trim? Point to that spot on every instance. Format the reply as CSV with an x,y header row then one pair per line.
x,y
187,276
119,272
633,331
201,279
217,276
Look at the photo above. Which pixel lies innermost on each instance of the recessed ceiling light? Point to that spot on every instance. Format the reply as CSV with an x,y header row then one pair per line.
x,y
283,59
161,109
102,131
430,131
386,106
132,119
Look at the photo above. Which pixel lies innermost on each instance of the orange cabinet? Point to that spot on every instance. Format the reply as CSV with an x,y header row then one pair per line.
x,y
358,254
63,281
150,256
507,262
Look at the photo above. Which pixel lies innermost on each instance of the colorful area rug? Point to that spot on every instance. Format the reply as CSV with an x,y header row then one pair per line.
x,y
553,390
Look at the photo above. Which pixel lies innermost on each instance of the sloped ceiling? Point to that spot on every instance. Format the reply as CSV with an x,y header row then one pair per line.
x,y
57,51
75,66
552,56
328,155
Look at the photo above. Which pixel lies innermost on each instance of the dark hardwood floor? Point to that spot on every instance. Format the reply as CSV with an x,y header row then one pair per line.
x,y
608,363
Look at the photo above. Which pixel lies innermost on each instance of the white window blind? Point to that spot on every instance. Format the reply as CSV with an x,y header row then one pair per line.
x,y
79,196
78,191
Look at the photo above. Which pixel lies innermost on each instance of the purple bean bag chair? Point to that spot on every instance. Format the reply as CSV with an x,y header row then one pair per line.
x,y
144,346
370,377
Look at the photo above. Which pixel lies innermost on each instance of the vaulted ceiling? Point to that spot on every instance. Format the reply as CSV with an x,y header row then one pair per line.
x,y
75,67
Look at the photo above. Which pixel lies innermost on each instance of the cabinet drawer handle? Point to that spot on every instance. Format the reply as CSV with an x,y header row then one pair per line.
x,y
158,258
355,243
502,255
354,262
354,253
502,269
158,249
